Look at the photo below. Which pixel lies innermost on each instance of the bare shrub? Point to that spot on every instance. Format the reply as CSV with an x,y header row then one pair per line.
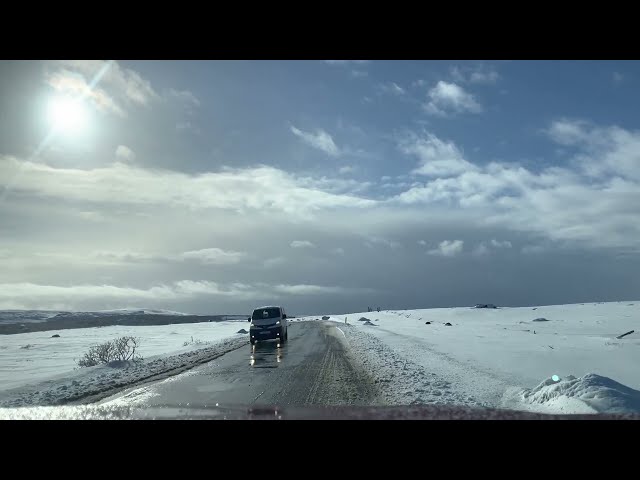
x,y
120,349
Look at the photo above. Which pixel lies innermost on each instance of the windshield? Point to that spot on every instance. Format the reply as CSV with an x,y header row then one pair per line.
x,y
265,313
438,233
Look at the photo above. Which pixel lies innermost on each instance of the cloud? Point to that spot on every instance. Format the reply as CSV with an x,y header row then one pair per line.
x,y
359,73
320,140
501,244
568,132
478,74
617,78
489,77
241,190
301,244
114,87
392,88
213,256
422,242
337,251
274,262
69,83
450,98
532,249
205,256
589,202
184,96
481,250
347,169
484,248
372,241
30,295
343,63
438,158
125,153
448,248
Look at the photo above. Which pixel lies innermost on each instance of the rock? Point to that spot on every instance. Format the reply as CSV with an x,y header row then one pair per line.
x,y
242,330
541,319
448,324
537,308
363,319
325,318
55,336
485,305
427,323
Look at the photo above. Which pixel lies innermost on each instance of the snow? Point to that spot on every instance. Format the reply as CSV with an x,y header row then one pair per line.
x,y
499,357
28,359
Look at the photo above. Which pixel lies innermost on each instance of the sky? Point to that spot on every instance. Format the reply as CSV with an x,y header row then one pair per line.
x,y
325,186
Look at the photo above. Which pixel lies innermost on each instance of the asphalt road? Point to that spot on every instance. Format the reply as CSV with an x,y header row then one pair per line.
x,y
312,368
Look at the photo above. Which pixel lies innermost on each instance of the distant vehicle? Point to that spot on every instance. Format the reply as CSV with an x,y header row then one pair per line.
x,y
268,323
485,305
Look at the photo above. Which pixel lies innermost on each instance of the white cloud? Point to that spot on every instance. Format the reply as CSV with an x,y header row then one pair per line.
x,y
448,248
30,295
359,73
115,85
481,250
274,262
487,77
259,188
392,88
484,248
438,158
125,153
338,251
347,62
532,249
422,242
591,202
347,169
206,256
69,83
213,256
372,241
478,74
617,78
568,132
185,96
320,140
447,98
501,243
301,244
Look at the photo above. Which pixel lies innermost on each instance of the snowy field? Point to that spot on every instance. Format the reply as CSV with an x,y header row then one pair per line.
x,y
552,359
28,359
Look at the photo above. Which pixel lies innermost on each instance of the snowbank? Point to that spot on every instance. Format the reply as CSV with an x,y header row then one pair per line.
x,y
27,358
103,380
497,357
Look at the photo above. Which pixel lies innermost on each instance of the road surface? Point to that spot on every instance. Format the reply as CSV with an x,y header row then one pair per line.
x,y
312,368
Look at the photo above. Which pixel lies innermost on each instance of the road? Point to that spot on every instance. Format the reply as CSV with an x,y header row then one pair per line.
x,y
312,368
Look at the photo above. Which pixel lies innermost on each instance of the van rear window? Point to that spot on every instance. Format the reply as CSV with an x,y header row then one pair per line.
x,y
265,313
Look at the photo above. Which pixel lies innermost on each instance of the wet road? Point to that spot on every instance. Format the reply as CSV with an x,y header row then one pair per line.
x,y
312,368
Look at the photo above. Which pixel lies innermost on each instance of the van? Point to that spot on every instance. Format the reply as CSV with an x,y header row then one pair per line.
x,y
267,323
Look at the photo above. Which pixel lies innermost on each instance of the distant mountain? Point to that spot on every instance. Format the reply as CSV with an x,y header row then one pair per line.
x,y
23,321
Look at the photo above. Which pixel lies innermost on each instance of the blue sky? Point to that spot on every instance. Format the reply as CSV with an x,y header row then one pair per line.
x,y
210,186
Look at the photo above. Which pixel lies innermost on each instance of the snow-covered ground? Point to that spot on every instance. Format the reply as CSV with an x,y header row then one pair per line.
x,y
551,359
560,358
34,367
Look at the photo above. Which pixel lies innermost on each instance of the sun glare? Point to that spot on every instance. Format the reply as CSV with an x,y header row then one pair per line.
x,y
67,115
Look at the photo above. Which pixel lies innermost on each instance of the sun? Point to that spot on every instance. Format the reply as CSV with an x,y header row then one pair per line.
x,y
67,115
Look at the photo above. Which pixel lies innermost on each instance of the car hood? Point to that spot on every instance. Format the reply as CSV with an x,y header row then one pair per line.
x,y
237,412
